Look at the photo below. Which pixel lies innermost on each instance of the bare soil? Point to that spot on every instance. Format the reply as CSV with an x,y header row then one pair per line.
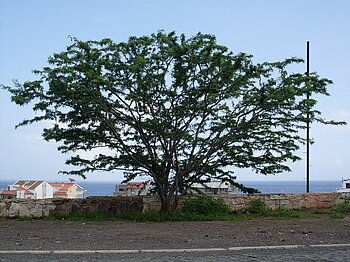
x,y
63,235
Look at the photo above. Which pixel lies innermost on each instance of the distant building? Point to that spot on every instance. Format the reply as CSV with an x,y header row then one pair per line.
x,y
132,189
67,190
214,187
32,189
345,186
7,194
41,190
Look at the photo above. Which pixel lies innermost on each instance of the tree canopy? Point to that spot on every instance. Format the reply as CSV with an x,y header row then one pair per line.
x,y
178,110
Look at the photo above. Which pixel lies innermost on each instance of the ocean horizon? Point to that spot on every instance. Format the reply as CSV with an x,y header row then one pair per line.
x,y
106,188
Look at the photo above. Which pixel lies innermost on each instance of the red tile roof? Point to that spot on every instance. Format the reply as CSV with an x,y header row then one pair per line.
x,y
56,184
62,186
66,186
135,185
25,190
8,192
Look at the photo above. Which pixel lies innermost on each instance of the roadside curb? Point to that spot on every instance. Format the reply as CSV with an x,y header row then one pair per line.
x,y
180,250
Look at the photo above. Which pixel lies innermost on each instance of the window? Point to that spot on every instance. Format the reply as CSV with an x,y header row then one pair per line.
x,y
347,185
121,189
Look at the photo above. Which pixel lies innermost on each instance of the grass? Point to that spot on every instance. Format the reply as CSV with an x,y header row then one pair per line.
x,y
337,212
179,216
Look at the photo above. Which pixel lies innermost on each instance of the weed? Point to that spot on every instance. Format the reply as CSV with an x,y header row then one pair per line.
x,y
321,211
337,216
342,208
205,205
286,213
258,207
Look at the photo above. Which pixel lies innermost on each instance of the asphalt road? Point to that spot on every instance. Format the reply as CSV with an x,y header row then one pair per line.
x,y
318,239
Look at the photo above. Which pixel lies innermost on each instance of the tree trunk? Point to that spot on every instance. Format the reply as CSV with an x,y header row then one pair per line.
x,y
168,203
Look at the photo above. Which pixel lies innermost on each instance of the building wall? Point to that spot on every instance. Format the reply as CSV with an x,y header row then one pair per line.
x,y
44,190
11,208
49,190
40,191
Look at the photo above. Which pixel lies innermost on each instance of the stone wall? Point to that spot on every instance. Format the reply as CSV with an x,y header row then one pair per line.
x,y
11,208
98,204
273,201
45,207
117,205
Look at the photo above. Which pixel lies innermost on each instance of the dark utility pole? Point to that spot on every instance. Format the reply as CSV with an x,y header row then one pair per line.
x,y
307,123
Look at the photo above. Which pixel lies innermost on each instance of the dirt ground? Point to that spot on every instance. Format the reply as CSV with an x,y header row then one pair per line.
x,y
63,235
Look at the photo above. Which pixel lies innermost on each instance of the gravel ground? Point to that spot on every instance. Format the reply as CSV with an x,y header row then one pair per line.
x,y
65,235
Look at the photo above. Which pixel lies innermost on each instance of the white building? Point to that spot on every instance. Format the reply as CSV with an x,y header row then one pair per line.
x,y
214,187
132,189
42,189
67,190
32,189
345,186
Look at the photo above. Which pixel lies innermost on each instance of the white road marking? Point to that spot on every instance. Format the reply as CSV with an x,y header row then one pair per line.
x,y
180,250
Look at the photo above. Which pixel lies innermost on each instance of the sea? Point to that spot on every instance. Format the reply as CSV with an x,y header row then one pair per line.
x,y
106,188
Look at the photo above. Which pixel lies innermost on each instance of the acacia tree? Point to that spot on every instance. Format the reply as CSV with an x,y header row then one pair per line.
x,y
179,110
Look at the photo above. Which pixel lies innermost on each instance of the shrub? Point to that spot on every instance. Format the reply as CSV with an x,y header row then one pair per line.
x,y
337,215
258,207
286,213
342,208
205,205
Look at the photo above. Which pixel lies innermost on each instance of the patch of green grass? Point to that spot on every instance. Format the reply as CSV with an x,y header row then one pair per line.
x,y
204,204
153,216
337,216
338,211
258,207
321,211
341,208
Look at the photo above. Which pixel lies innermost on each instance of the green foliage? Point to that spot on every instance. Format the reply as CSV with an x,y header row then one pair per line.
x,y
178,110
337,215
286,213
338,211
205,205
176,215
258,207
342,208
206,208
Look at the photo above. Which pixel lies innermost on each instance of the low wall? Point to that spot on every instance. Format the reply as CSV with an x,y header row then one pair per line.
x,y
273,201
117,205
44,207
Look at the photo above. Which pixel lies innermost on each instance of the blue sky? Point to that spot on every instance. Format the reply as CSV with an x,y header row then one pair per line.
x,y
30,31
